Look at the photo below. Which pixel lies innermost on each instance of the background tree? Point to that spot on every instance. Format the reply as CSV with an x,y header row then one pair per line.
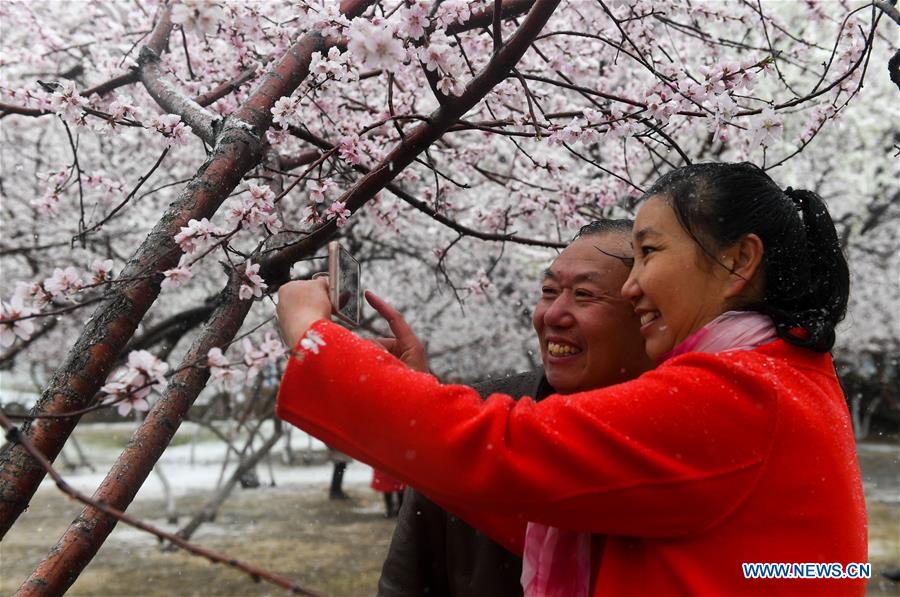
x,y
167,166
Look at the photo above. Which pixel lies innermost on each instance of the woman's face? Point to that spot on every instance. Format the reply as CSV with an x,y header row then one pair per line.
x,y
674,287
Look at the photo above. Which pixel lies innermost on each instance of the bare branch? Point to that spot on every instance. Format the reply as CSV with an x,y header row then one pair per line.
x,y
14,436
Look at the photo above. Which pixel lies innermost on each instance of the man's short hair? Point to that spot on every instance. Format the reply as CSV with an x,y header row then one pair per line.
x,y
605,225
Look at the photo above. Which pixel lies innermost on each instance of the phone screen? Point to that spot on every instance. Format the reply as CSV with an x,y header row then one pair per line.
x,y
346,291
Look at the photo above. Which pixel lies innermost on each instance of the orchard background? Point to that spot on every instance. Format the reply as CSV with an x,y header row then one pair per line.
x,y
166,166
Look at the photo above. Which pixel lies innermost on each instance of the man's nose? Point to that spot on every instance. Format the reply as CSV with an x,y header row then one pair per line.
x,y
559,313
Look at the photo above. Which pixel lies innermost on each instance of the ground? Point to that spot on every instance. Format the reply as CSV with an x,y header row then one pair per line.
x,y
333,547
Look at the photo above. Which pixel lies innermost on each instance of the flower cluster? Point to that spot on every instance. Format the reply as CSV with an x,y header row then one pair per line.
x,y
200,16
221,371
11,324
332,66
197,235
253,285
440,57
48,203
284,111
337,210
132,385
255,210
267,353
68,103
171,127
64,283
373,45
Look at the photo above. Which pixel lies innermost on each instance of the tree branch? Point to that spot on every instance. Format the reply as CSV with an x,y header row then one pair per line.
x,y
14,436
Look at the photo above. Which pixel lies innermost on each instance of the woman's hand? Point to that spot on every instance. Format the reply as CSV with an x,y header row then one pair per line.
x,y
300,304
404,345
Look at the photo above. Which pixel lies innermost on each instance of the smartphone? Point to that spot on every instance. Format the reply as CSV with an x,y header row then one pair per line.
x,y
343,283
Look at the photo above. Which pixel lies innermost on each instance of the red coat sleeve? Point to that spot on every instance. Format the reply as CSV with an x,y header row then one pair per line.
x,y
670,453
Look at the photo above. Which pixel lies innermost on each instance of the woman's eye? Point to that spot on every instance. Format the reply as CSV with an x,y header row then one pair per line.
x,y
646,250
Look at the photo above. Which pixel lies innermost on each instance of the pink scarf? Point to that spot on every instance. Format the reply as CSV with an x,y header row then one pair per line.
x,y
557,562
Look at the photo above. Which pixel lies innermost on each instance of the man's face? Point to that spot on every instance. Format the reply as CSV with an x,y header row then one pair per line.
x,y
588,332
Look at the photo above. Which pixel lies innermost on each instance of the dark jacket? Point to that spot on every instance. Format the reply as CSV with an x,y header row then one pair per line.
x,y
435,554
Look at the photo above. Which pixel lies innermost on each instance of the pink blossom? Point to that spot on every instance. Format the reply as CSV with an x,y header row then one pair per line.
x,y
414,21
451,12
261,196
318,189
201,16
255,284
435,56
10,329
450,86
766,127
175,277
32,292
48,204
221,371
227,377
133,384
284,111
326,19
349,149
102,271
144,363
254,358
215,358
67,102
338,210
374,45
63,282
272,347
171,127
478,284
195,235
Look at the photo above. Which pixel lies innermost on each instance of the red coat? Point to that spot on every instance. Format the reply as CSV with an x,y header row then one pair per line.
x,y
705,463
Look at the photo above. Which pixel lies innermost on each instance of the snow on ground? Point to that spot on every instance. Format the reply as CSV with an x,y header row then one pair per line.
x,y
197,466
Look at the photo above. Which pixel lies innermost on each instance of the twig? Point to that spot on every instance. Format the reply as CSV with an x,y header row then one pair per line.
x,y
14,436
125,201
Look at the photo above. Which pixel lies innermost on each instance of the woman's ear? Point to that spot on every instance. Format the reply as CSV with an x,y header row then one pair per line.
x,y
743,259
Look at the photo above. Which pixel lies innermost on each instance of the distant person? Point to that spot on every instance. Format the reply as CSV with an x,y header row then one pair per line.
x,y
339,462
734,452
391,489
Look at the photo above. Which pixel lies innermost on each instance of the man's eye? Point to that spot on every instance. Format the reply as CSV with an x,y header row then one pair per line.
x,y
646,250
548,291
583,294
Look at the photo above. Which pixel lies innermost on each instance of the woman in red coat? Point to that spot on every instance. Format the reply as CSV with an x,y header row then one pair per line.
x,y
735,453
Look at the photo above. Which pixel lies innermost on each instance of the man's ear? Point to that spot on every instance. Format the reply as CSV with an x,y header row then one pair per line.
x,y
743,260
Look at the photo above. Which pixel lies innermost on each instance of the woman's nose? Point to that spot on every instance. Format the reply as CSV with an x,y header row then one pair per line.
x,y
631,290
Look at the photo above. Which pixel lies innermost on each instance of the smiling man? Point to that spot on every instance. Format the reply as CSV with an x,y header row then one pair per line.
x,y
588,332
589,338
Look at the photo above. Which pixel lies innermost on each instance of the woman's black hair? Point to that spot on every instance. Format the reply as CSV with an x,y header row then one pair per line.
x,y
807,282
